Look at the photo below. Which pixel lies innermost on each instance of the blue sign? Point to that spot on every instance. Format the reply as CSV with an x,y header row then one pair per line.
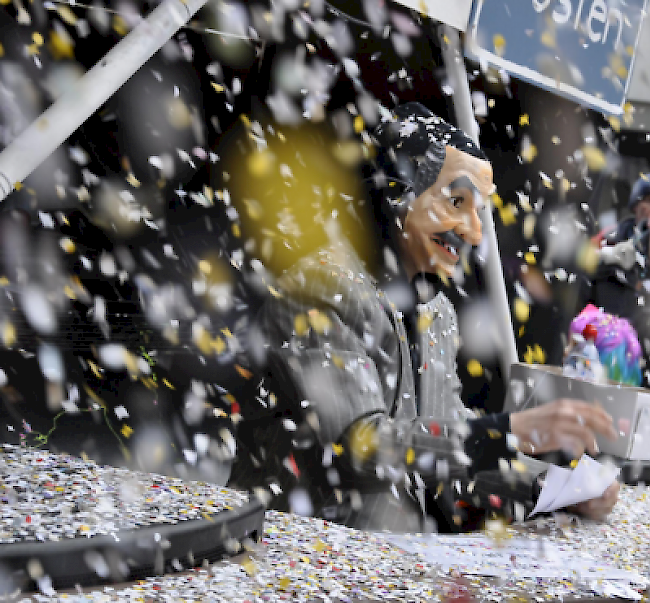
x,y
581,49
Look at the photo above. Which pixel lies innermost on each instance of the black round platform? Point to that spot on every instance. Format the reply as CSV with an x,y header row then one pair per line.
x,y
132,554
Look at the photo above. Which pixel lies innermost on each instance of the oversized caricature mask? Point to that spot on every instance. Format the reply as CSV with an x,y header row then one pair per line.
x,y
445,179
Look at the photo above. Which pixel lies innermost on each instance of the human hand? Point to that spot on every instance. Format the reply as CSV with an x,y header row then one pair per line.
x,y
622,254
565,424
598,508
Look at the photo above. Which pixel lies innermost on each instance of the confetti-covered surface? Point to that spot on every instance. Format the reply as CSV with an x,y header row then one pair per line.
x,y
51,497
298,558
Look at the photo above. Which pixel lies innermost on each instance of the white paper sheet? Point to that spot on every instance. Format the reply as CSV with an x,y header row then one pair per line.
x,y
556,478
565,487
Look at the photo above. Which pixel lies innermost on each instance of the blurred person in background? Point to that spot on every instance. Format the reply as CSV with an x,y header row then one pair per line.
x,y
360,418
620,285
621,272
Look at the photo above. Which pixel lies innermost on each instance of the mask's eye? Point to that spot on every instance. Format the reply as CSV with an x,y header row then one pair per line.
x,y
457,200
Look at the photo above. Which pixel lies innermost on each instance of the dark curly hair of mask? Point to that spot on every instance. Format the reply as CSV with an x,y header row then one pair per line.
x,y
411,148
410,153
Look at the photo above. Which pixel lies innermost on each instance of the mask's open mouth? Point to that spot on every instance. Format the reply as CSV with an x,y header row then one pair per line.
x,y
450,242
449,249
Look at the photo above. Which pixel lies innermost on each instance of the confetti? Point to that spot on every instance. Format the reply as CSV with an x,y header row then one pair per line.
x,y
474,368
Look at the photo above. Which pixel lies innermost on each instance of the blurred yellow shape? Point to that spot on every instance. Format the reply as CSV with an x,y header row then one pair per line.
x,y
67,245
249,566
499,43
528,152
132,180
205,267
8,334
245,373
119,25
66,14
178,113
349,152
363,442
522,310
497,530
530,258
518,466
615,123
260,163
474,368
95,369
628,113
60,47
588,258
424,321
410,456
301,325
595,158
203,341
528,225
254,208
507,215
219,345
548,38
534,355
319,321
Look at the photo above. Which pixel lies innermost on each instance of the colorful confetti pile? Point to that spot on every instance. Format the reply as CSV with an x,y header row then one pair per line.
x,y
47,496
306,559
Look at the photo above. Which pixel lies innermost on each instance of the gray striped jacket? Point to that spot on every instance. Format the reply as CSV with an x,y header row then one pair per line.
x,y
342,345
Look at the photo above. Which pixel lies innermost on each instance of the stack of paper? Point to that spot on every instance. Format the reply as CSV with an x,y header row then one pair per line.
x,y
527,556
533,556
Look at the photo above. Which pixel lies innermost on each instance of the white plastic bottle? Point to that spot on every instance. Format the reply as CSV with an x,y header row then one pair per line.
x,y
583,361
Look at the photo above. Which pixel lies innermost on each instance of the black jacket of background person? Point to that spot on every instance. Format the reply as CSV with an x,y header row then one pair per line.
x,y
613,288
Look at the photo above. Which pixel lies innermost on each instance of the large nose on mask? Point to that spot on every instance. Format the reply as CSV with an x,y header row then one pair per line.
x,y
470,229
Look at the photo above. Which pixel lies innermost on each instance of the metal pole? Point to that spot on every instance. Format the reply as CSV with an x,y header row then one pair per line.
x,y
30,148
464,111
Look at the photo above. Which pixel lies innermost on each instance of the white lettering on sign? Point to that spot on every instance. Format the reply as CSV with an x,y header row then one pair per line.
x,y
594,17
